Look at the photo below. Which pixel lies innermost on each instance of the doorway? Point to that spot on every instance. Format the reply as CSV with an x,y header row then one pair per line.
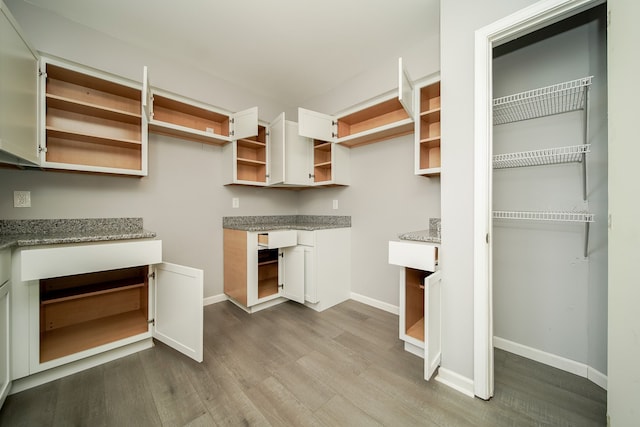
x,y
505,38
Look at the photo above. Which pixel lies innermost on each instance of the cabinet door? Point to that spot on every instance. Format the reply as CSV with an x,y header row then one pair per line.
x,y
310,282
276,146
405,90
178,308
292,281
317,125
5,365
244,123
432,333
18,94
147,104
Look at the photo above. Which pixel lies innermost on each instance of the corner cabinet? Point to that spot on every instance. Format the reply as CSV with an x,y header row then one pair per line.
x,y
18,95
82,304
384,117
91,121
262,269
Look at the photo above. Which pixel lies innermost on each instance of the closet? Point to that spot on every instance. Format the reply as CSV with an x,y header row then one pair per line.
x,y
549,188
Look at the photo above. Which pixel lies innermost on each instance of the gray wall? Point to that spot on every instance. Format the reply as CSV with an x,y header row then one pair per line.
x,y
458,21
183,198
546,294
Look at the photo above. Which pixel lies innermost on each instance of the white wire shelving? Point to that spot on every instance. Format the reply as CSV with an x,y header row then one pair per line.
x,y
545,101
545,156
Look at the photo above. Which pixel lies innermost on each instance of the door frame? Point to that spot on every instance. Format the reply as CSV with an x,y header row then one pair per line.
x,y
524,21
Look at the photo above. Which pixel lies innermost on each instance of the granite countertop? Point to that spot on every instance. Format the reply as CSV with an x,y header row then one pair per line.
x,y
429,236
285,222
61,231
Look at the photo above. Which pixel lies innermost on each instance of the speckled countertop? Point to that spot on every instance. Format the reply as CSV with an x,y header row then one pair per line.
x,y
285,222
58,231
432,235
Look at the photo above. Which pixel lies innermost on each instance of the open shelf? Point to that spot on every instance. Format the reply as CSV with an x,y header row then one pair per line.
x,y
387,119
92,122
251,157
414,303
545,216
428,131
545,101
322,161
546,156
83,311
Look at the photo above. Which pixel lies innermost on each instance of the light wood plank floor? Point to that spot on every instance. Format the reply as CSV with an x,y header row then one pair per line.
x,y
289,365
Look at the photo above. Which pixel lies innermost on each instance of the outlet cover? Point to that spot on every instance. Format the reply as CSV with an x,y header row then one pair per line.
x,y
235,202
335,204
22,199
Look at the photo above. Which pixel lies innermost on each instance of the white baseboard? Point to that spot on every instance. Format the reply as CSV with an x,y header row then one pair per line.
x,y
214,299
562,363
389,308
456,381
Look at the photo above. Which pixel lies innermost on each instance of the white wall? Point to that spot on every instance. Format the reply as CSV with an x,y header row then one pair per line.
x,y
458,21
546,294
624,233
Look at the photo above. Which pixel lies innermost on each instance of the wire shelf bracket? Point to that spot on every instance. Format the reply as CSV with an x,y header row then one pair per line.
x,y
580,217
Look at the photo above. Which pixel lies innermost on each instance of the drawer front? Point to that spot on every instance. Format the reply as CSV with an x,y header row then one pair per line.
x,y
278,239
421,256
58,260
306,237
5,265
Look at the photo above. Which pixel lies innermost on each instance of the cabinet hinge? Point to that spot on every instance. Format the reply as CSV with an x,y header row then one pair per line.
x,y
231,133
41,73
232,120
266,175
152,275
334,122
281,286
42,149
486,238
311,175
334,135
151,322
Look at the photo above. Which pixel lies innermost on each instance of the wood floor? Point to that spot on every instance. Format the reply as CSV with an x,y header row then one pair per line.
x,y
289,365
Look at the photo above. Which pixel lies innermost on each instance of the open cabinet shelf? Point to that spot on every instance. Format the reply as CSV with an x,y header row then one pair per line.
x,y
428,131
251,157
91,123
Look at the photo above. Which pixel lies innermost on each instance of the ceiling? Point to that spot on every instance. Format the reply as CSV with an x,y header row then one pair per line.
x,y
290,50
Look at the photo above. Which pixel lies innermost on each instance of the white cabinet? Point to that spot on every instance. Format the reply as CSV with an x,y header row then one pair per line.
x,y
327,266
74,304
387,116
5,324
18,94
175,115
262,269
290,155
91,121
427,130
420,300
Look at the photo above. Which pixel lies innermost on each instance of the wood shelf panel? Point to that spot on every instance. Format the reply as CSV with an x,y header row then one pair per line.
x,y
78,150
73,339
195,136
378,115
87,109
267,287
322,145
98,130
80,82
100,289
417,330
392,132
323,165
184,114
251,162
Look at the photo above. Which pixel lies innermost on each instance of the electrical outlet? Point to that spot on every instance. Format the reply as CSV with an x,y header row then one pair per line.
x,y
335,204
235,202
22,199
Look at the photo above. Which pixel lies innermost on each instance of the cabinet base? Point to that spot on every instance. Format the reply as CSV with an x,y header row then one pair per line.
x,y
77,366
258,307
414,349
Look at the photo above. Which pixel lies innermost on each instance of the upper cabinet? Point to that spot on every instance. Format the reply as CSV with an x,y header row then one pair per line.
x,y
18,94
427,132
385,117
91,121
174,115
246,160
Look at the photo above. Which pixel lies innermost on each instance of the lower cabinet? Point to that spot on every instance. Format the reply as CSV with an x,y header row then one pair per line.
x,y
5,324
262,269
67,310
420,300
327,266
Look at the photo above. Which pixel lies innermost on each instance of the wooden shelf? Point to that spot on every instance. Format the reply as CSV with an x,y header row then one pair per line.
x,y
83,336
88,291
322,165
249,143
322,145
76,106
92,122
428,132
251,162
417,330
378,115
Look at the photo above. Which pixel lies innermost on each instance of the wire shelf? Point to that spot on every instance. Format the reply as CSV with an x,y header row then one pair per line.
x,y
545,216
541,102
545,156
